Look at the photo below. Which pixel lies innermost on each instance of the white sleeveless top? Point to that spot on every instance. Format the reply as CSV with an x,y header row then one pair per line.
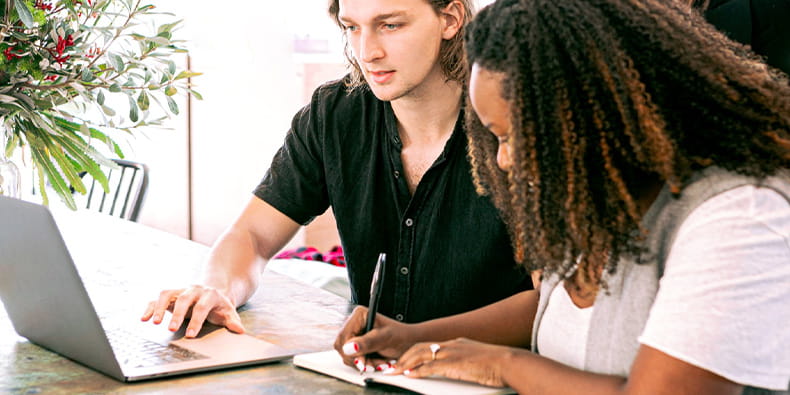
x,y
563,329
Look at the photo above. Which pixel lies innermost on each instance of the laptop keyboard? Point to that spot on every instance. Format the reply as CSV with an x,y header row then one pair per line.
x,y
133,350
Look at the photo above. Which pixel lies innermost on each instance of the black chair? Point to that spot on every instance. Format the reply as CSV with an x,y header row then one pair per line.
x,y
128,185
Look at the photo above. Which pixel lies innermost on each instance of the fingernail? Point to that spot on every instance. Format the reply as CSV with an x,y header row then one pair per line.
x,y
388,371
369,368
360,366
393,361
407,372
350,348
191,332
382,367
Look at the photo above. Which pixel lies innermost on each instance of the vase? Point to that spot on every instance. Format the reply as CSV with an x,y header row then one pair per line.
x,y
9,177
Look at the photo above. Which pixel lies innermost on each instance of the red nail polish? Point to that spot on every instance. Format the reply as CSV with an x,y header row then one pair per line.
x,y
356,361
356,347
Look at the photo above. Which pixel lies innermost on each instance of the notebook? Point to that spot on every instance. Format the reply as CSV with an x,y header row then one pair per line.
x,y
331,364
47,303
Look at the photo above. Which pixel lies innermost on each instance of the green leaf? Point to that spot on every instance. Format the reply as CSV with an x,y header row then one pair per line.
x,y
117,63
66,167
42,186
109,111
159,41
24,13
94,134
172,105
143,101
87,75
168,27
43,161
115,88
100,98
84,156
171,66
171,90
134,112
187,74
196,94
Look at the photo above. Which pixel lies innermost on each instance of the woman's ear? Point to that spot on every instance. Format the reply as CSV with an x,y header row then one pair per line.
x,y
453,16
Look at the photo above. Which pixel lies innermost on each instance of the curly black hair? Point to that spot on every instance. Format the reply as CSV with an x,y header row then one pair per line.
x,y
606,97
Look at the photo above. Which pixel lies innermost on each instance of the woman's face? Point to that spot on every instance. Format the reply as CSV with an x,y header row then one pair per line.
x,y
485,92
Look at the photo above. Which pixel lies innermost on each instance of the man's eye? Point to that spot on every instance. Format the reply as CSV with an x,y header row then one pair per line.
x,y
350,28
391,26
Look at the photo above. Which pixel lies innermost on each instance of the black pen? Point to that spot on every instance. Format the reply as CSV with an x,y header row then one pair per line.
x,y
375,290
376,284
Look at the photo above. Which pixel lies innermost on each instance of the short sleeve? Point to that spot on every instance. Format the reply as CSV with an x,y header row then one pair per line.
x,y
722,303
295,183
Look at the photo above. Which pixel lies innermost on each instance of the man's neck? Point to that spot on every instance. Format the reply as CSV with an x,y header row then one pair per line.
x,y
429,117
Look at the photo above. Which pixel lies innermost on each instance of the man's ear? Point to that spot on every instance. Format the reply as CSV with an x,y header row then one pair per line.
x,y
453,16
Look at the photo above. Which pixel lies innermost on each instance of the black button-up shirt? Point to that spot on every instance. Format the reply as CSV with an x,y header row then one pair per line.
x,y
447,250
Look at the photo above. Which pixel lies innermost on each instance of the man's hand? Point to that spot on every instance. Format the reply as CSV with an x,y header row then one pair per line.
x,y
199,304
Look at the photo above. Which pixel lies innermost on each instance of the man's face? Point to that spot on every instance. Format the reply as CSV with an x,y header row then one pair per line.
x,y
396,44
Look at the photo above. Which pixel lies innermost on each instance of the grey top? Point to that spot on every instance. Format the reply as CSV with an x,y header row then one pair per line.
x,y
621,312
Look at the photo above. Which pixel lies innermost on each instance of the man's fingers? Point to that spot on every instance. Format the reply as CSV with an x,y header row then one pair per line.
x,y
181,308
149,311
234,323
200,310
163,304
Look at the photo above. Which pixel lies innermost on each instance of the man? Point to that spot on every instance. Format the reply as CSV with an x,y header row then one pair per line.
x,y
385,148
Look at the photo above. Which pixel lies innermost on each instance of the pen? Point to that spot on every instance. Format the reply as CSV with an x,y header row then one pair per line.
x,y
375,290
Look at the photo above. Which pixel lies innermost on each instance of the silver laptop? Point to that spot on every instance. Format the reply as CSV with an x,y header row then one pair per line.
x,y
48,304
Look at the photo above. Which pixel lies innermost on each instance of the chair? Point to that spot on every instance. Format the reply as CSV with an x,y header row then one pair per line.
x,y
128,185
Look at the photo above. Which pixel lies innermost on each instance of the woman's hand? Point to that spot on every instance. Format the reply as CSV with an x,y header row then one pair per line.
x,y
460,359
387,341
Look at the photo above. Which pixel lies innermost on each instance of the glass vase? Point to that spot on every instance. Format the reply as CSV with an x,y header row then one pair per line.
x,y
9,177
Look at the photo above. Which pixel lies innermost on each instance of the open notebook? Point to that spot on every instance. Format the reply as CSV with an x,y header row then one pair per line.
x,y
331,364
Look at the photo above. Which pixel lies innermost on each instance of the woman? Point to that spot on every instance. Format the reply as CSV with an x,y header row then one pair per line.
x,y
639,160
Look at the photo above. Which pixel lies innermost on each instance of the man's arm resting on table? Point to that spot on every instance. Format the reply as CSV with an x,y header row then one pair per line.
x,y
232,273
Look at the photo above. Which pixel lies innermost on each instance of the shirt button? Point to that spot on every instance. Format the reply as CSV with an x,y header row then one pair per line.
x,y
399,317
409,222
404,270
397,174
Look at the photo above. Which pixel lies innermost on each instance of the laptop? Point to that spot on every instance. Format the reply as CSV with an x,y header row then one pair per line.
x,y
47,303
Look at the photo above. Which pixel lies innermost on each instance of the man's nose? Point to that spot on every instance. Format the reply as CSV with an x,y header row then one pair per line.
x,y
370,47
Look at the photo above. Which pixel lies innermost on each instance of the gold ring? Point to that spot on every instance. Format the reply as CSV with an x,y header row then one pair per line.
x,y
434,349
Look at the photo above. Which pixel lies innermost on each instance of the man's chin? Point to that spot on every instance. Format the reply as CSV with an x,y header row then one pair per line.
x,y
384,94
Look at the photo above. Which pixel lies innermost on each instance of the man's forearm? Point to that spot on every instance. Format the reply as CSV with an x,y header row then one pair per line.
x,y
234,266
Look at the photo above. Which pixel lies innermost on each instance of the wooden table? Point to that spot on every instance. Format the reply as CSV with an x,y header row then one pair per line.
x,y
124,265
